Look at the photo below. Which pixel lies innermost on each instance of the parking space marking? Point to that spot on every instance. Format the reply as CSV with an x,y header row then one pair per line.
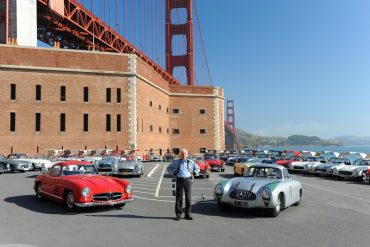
x,y
144,192
143,188
150,199
160,182
152,171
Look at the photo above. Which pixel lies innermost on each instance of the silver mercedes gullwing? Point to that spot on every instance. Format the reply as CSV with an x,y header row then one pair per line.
x,y
265,186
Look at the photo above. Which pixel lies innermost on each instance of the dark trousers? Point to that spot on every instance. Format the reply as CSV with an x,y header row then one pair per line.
x,y
183,184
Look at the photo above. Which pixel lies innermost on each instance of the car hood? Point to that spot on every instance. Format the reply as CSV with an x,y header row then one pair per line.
x,y
95,182
253,184
129,164
353,168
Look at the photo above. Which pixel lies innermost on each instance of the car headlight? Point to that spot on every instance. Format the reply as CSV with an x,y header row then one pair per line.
x,y
129,189
219,189
137,168
266,193
85,192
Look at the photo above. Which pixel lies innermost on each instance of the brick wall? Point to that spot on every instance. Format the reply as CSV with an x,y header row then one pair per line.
x,y
139,84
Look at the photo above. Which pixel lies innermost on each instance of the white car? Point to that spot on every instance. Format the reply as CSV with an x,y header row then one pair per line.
x,y
306,166
355,171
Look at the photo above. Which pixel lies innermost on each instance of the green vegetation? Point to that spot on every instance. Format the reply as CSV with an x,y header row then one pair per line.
x,y
249,140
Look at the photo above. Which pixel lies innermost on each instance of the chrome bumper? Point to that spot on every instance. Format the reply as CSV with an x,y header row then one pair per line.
x,y
93,204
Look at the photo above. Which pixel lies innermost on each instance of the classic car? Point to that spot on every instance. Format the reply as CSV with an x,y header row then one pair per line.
x,y
304,166
367,174
331,165
243,164
215,163
14,165
356,170
127,168
266,186
105,165
288,161
77,184
232,160
168,157
3,167
205,168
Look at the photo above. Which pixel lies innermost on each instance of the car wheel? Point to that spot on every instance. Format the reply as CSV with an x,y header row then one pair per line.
x,y
119,206
299,199
69,201
274,212
316,174
22,171
207,176
223,169
364,177
39,192
339,178
223,207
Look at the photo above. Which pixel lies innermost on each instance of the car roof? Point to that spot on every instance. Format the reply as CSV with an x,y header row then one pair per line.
x,y
268,165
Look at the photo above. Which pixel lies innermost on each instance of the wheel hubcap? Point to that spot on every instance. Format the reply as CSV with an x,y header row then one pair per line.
x,y
278,205
70,200
364,177
39,191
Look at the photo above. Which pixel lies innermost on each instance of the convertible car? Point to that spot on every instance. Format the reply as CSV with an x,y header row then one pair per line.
x,y
204,168
78,184
265,186
215,163
127,168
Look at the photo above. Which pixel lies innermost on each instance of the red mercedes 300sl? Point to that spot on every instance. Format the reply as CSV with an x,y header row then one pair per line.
x,y
78,184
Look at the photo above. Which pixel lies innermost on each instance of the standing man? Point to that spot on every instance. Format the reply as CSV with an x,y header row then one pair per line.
x,y
184,170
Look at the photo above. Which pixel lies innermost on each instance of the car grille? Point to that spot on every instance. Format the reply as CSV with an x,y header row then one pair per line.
x,y
298,167
245,195
105,166
345,173
126,170
107,196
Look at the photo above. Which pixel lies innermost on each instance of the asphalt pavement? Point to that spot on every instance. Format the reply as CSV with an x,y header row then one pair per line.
x,y
332,213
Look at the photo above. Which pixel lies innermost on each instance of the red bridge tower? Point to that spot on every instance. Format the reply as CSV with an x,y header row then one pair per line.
x,y
185,60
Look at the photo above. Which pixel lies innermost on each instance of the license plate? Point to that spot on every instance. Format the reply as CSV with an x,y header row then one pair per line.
x,y
124,173
242,204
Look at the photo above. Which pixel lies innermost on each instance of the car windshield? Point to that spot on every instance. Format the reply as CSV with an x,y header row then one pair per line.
x,y
213,157
264,172
241,160
339,161
75,169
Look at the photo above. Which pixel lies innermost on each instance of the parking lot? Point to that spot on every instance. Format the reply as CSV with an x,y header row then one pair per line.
x,y
332,213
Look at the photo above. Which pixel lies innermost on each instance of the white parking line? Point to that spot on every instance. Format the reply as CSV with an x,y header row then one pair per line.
x,y
160,182
152,171
143,188
144,192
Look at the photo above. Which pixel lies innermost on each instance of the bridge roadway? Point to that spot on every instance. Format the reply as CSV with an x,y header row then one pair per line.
x,y
332,213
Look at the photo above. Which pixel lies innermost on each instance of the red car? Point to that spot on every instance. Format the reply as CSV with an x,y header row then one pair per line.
x,y
367,173
77,184
287,162
215,163
205,169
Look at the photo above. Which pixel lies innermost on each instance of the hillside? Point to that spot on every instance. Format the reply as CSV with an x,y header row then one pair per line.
x,y
250,140
352,140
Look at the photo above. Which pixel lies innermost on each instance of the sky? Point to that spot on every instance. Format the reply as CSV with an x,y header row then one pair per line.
x,y
291,66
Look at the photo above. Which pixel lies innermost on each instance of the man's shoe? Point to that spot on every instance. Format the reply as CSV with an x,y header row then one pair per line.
x,y
188,217
177,218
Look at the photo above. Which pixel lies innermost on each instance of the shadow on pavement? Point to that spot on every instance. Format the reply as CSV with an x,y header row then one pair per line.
x,y
228,176
210,208
32,176
133,216
30,202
